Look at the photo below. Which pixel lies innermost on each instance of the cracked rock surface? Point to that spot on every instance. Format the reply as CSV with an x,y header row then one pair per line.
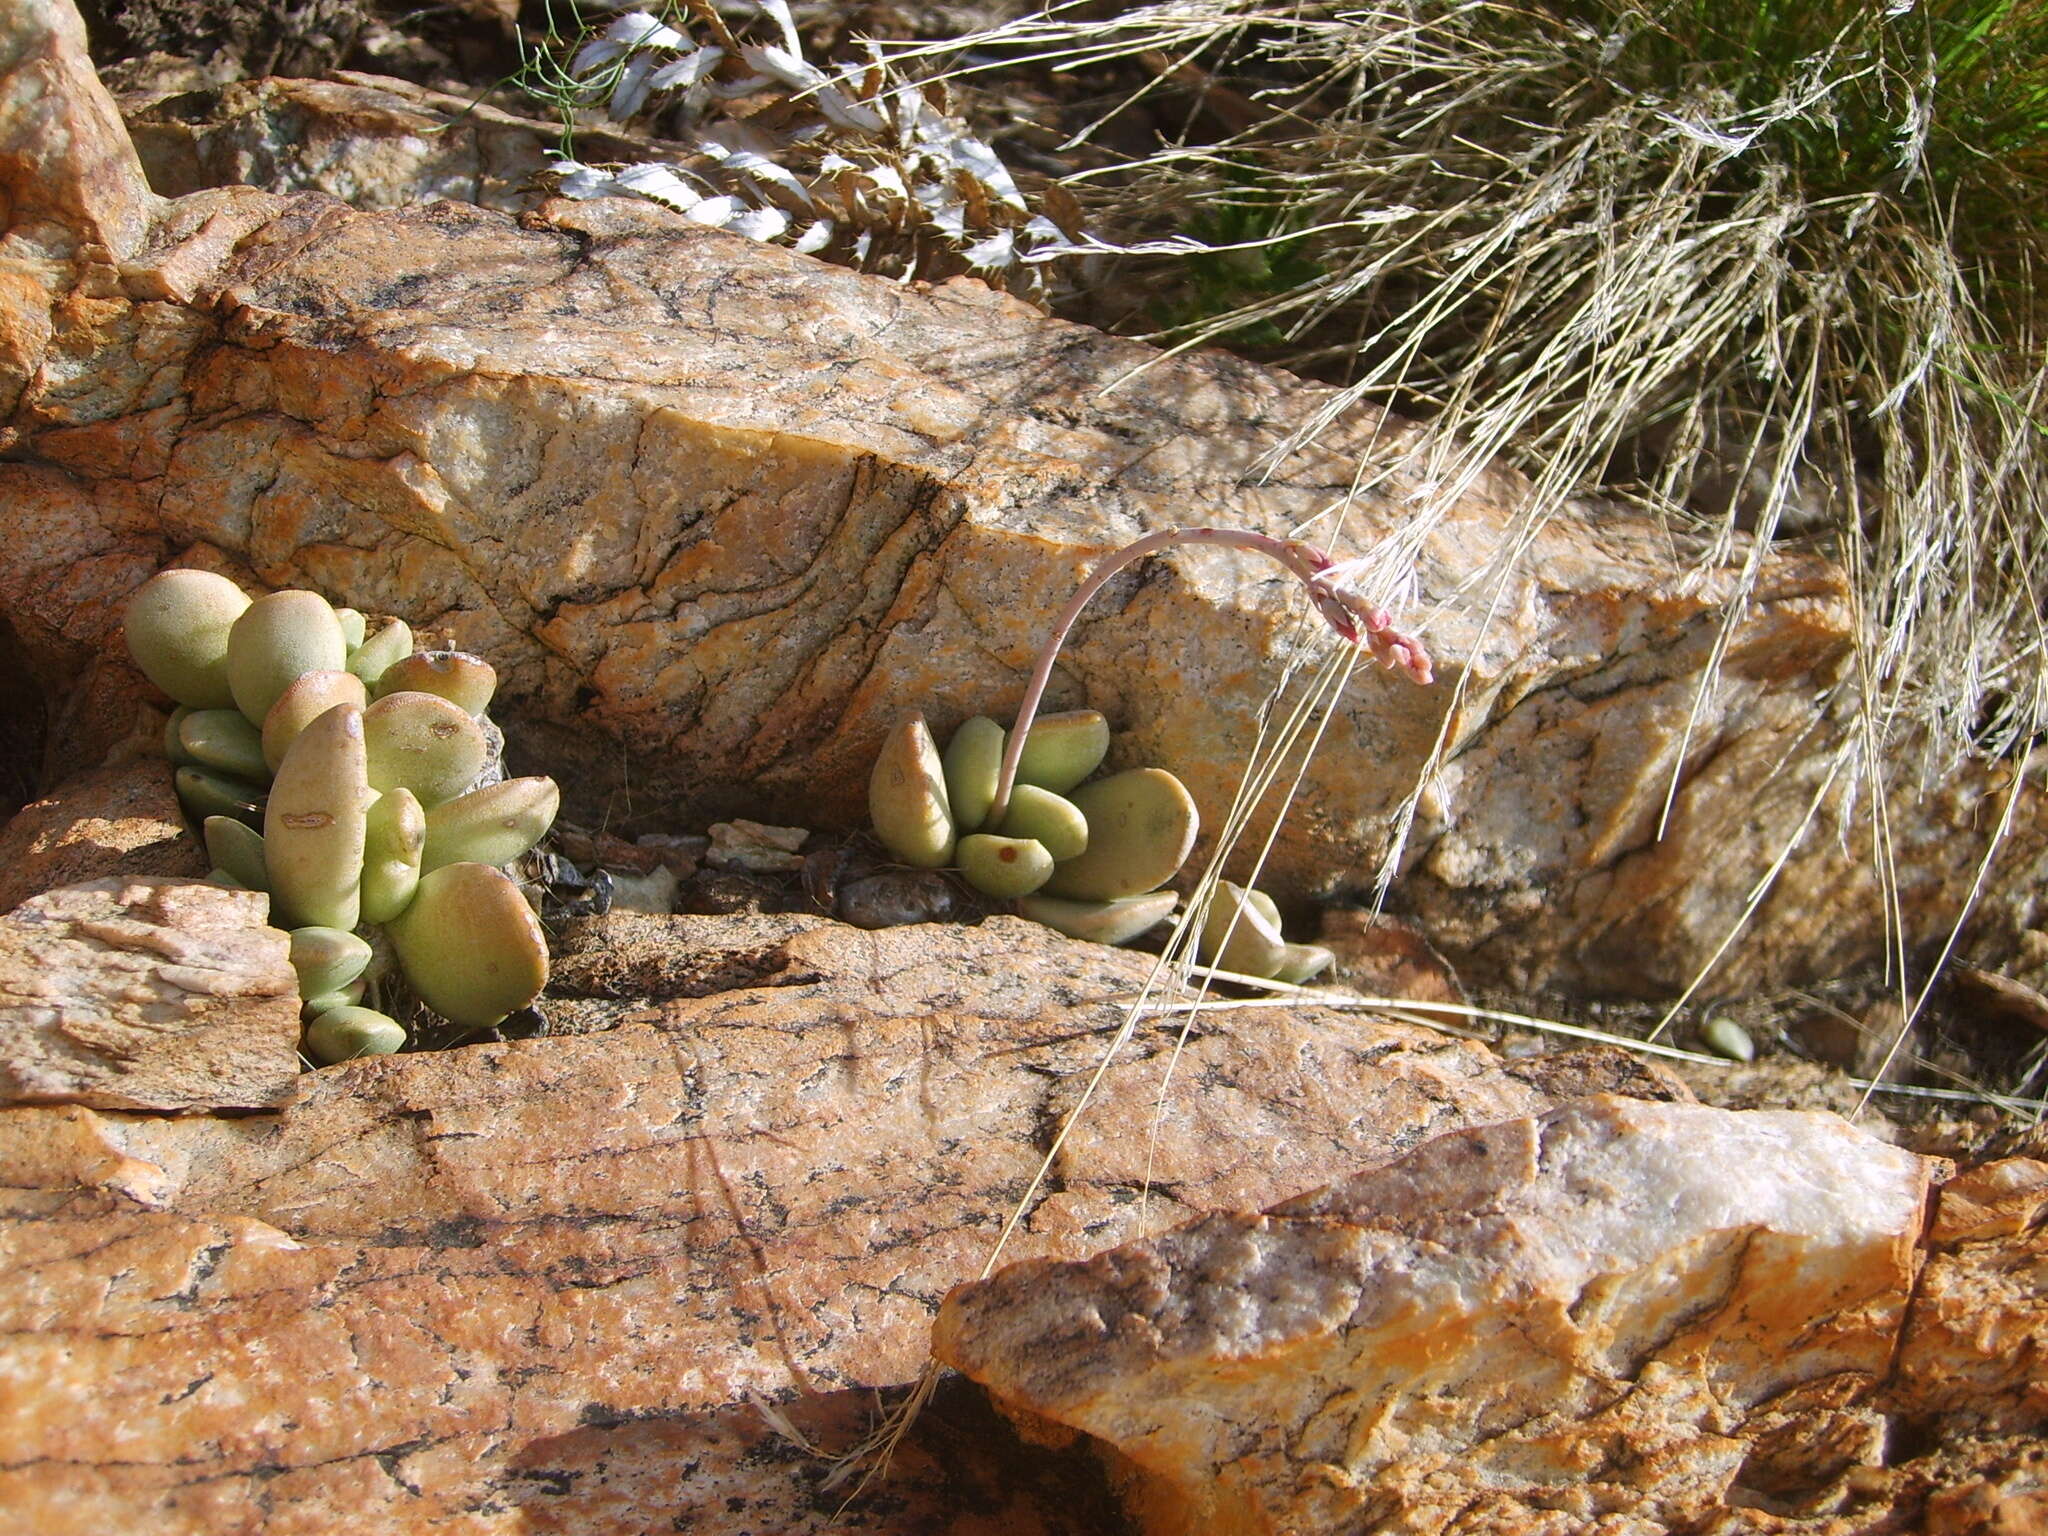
x,y
144,992
1616,1316
726,511
543,1285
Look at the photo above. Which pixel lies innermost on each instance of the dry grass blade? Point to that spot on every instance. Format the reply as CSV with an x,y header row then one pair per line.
x,y
1765,268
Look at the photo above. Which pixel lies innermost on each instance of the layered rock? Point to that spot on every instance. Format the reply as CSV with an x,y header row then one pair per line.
x,y
546,1283
1616,1316
727,512
140,992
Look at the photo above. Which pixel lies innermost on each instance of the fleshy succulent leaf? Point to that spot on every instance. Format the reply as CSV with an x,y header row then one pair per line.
x,y
1141,825
204,793
314,824
177,624
174,748
462,679
470,945
1003,867
424,743
1063,749
327,959
1051,819
370,659
491,825
343,1034
394,844
236,849
973,758
1303,963
353,627
306,700
907,797
277,640
1103,922
1241,933
224,741
341,997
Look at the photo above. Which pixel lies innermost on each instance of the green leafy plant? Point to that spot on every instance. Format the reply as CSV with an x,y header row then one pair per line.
x,y
1018,814
352,779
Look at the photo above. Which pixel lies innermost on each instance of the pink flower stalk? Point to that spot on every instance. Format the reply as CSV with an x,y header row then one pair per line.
x,y
1355,621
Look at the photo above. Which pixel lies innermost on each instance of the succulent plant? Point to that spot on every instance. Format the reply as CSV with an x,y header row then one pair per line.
x,y
1019,813
364,766
1240,931
927,807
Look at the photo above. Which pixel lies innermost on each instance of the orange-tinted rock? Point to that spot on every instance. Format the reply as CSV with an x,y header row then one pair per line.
x,y
1623,1312
122,820
1977,1349
494,1288
136,992
719,513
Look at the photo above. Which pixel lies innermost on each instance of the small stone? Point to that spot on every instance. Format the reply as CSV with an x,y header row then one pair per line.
x,y
756,847
652,892
680,854
898,896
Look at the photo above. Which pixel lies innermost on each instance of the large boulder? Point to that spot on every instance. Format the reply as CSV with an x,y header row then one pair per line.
x,y
140,992
1617,1316
123,819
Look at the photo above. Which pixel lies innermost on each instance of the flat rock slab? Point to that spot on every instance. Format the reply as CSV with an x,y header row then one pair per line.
x,y
1617,1316
541,1284
140,992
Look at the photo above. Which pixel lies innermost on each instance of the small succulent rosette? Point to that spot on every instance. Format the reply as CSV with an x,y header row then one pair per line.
x,y
357,782
1087,856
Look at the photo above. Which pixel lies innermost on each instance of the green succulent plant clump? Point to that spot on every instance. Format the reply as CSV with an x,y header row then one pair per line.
x,y
1018,815
354,780
1087,858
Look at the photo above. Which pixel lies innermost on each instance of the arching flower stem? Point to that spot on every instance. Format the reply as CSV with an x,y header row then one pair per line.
x,y
1355,622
